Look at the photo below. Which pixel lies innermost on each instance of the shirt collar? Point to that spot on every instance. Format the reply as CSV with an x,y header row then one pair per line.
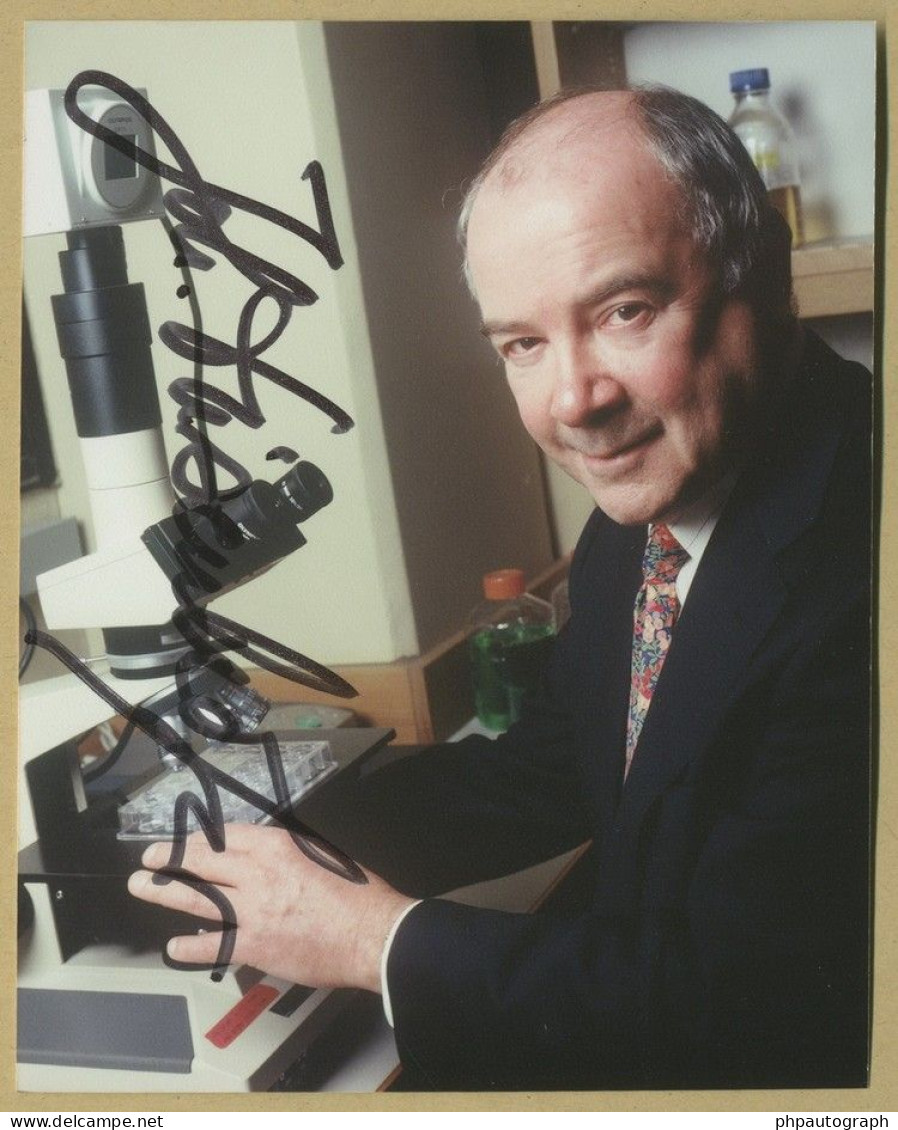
x,y
695,524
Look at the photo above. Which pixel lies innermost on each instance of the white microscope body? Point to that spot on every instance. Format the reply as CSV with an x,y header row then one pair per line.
x,y
77,184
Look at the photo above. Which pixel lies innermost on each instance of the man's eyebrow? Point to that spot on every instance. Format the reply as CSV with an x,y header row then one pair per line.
x,y
659,286
489,329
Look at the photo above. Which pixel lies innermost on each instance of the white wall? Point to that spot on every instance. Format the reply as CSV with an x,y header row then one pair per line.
x,y
822,77
343,597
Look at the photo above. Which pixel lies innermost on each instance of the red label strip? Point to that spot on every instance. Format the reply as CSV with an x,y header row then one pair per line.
x,y
244,1012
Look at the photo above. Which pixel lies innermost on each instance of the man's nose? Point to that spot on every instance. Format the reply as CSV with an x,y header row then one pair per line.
x,y
585,388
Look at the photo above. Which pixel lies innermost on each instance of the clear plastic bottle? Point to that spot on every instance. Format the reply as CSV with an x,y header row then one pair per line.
x,y
770,144
508,643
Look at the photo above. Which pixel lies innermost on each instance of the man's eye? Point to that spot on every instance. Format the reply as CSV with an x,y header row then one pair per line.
x,y
629,312
519,347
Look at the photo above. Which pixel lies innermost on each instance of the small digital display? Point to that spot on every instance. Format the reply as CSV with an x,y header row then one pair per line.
x,y
118,166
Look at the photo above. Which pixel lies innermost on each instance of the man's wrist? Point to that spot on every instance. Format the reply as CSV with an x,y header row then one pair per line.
x,y
375,929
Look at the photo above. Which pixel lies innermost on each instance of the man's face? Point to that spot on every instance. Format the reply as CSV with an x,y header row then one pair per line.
x,y
627,365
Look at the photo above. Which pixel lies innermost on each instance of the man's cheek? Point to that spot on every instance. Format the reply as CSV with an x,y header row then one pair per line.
x,y
671,387
535,418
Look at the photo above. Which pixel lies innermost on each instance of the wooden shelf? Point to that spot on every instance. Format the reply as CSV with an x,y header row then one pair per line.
x,y
833,278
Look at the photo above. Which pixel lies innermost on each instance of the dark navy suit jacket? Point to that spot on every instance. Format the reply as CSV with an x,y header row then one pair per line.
x,y
726,933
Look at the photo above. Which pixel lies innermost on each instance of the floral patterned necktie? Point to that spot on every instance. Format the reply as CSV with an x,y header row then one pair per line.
x,y
654,616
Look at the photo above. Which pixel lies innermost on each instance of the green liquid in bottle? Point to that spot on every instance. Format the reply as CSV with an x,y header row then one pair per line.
x,y
507,663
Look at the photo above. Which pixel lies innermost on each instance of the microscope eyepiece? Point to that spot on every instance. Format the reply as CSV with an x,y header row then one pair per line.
x,y
305,489
212,547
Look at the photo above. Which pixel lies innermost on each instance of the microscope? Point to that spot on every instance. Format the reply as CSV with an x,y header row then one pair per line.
x,y
98,1008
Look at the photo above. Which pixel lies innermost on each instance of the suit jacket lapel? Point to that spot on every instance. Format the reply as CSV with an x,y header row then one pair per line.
x,y
739,589
602,668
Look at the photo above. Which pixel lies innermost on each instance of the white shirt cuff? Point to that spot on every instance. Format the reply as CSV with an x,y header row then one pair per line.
x,y
384,957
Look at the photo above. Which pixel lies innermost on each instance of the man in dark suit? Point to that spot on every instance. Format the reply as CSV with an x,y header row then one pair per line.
x,y
713,744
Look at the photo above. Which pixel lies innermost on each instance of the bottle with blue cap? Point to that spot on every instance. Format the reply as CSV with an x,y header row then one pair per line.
x,y
770,143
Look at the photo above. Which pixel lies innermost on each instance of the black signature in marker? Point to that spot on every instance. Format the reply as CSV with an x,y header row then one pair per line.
x,y
201,209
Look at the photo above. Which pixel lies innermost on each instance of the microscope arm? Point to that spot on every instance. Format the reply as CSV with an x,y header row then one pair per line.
x,y
117,586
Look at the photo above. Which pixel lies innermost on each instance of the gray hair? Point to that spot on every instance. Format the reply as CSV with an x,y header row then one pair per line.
x,y
724,198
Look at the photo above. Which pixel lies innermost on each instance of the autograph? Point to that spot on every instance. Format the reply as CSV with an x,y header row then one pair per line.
x,y
201,209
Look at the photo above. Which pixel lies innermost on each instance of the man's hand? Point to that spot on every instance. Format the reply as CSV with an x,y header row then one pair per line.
x,y
295,919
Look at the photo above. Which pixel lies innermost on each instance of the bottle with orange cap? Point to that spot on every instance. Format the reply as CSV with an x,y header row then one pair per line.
x,y
508,643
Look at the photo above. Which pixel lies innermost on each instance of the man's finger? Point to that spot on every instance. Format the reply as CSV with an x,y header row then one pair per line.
x,y
198,857
176,895
195,949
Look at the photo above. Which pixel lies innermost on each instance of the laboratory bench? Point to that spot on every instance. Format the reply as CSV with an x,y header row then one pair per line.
x,y
99,1012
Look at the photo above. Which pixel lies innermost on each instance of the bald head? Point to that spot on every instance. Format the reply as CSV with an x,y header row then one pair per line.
x,y
562,137
719,194
581,154
568,138
583,166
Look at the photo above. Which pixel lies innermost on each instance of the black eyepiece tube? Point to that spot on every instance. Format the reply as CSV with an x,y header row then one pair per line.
x,y
104,337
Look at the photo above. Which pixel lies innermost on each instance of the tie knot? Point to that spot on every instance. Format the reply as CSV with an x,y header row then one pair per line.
x,y
664,556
